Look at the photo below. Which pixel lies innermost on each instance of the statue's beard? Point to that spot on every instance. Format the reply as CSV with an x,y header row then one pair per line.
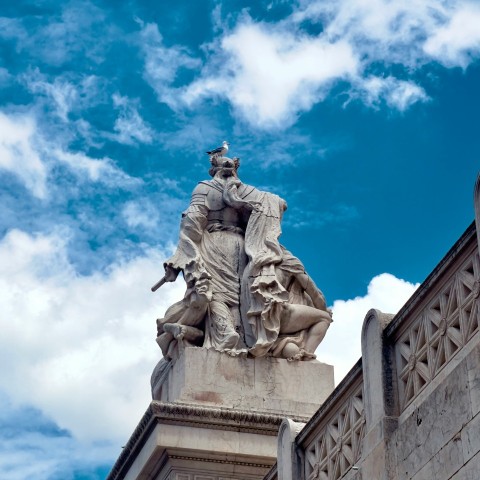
x,y
230,192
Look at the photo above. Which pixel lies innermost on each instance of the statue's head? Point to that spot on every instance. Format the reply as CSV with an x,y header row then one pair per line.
x,y
224,166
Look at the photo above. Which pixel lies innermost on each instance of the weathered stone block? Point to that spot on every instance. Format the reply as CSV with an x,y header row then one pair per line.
x,y
449,459
433,423
470,471
470,437
266,384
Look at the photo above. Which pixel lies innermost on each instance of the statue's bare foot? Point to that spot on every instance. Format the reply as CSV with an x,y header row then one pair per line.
x,y
308,356
178,331
301,355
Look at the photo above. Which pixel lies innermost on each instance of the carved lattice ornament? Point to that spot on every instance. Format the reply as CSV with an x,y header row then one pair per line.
x,y
441,330
338,446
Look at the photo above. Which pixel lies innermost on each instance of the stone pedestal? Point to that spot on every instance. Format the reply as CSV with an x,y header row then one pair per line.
x,y
265,384
216,417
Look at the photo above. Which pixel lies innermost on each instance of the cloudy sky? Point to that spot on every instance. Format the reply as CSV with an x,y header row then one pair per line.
x,y
362,114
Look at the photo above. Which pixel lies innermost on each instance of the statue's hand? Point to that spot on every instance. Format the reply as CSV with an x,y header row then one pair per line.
x,y
171,273
233,182
251,206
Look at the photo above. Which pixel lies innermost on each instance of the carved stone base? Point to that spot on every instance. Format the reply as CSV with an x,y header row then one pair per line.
x,y
266,384
188,442
215,417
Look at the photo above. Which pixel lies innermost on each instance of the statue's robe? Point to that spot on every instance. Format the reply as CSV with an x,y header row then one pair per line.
x,y
269,280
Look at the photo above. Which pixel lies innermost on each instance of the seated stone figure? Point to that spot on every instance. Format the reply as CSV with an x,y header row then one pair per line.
x,y
246,294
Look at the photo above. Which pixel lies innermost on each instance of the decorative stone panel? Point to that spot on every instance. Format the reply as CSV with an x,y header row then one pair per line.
x,y
338,446
440,330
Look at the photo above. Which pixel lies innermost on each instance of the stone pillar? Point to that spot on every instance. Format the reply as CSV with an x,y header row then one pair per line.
x,y
379,396
288,466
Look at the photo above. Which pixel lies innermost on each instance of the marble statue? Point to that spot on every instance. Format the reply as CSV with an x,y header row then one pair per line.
x,y
246,294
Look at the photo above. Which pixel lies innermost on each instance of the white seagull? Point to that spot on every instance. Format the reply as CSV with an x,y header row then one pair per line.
x,y
219,151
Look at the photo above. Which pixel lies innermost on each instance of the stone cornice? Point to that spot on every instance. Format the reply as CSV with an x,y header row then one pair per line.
x,y
218,418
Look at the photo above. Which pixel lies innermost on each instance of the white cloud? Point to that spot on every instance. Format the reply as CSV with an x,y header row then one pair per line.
x,y
457,43
342,344
141,213
74,30
408,32
26,453
65,94
270,75
19,155
101,170
129,125
81,349
27,154
398,94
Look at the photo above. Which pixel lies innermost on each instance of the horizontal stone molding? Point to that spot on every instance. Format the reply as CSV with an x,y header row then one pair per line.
x,y
223,418
223,461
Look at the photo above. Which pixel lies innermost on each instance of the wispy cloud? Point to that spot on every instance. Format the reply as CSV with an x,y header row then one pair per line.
x,y
27,154
163,63
65,93
129,126
397,94
141,213
19,154
69,32
101,170
270,74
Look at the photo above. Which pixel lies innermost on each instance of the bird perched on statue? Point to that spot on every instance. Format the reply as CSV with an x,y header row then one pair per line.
x,y
219,151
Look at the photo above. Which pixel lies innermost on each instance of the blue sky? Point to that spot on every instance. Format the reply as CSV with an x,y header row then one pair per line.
x,y
364,116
